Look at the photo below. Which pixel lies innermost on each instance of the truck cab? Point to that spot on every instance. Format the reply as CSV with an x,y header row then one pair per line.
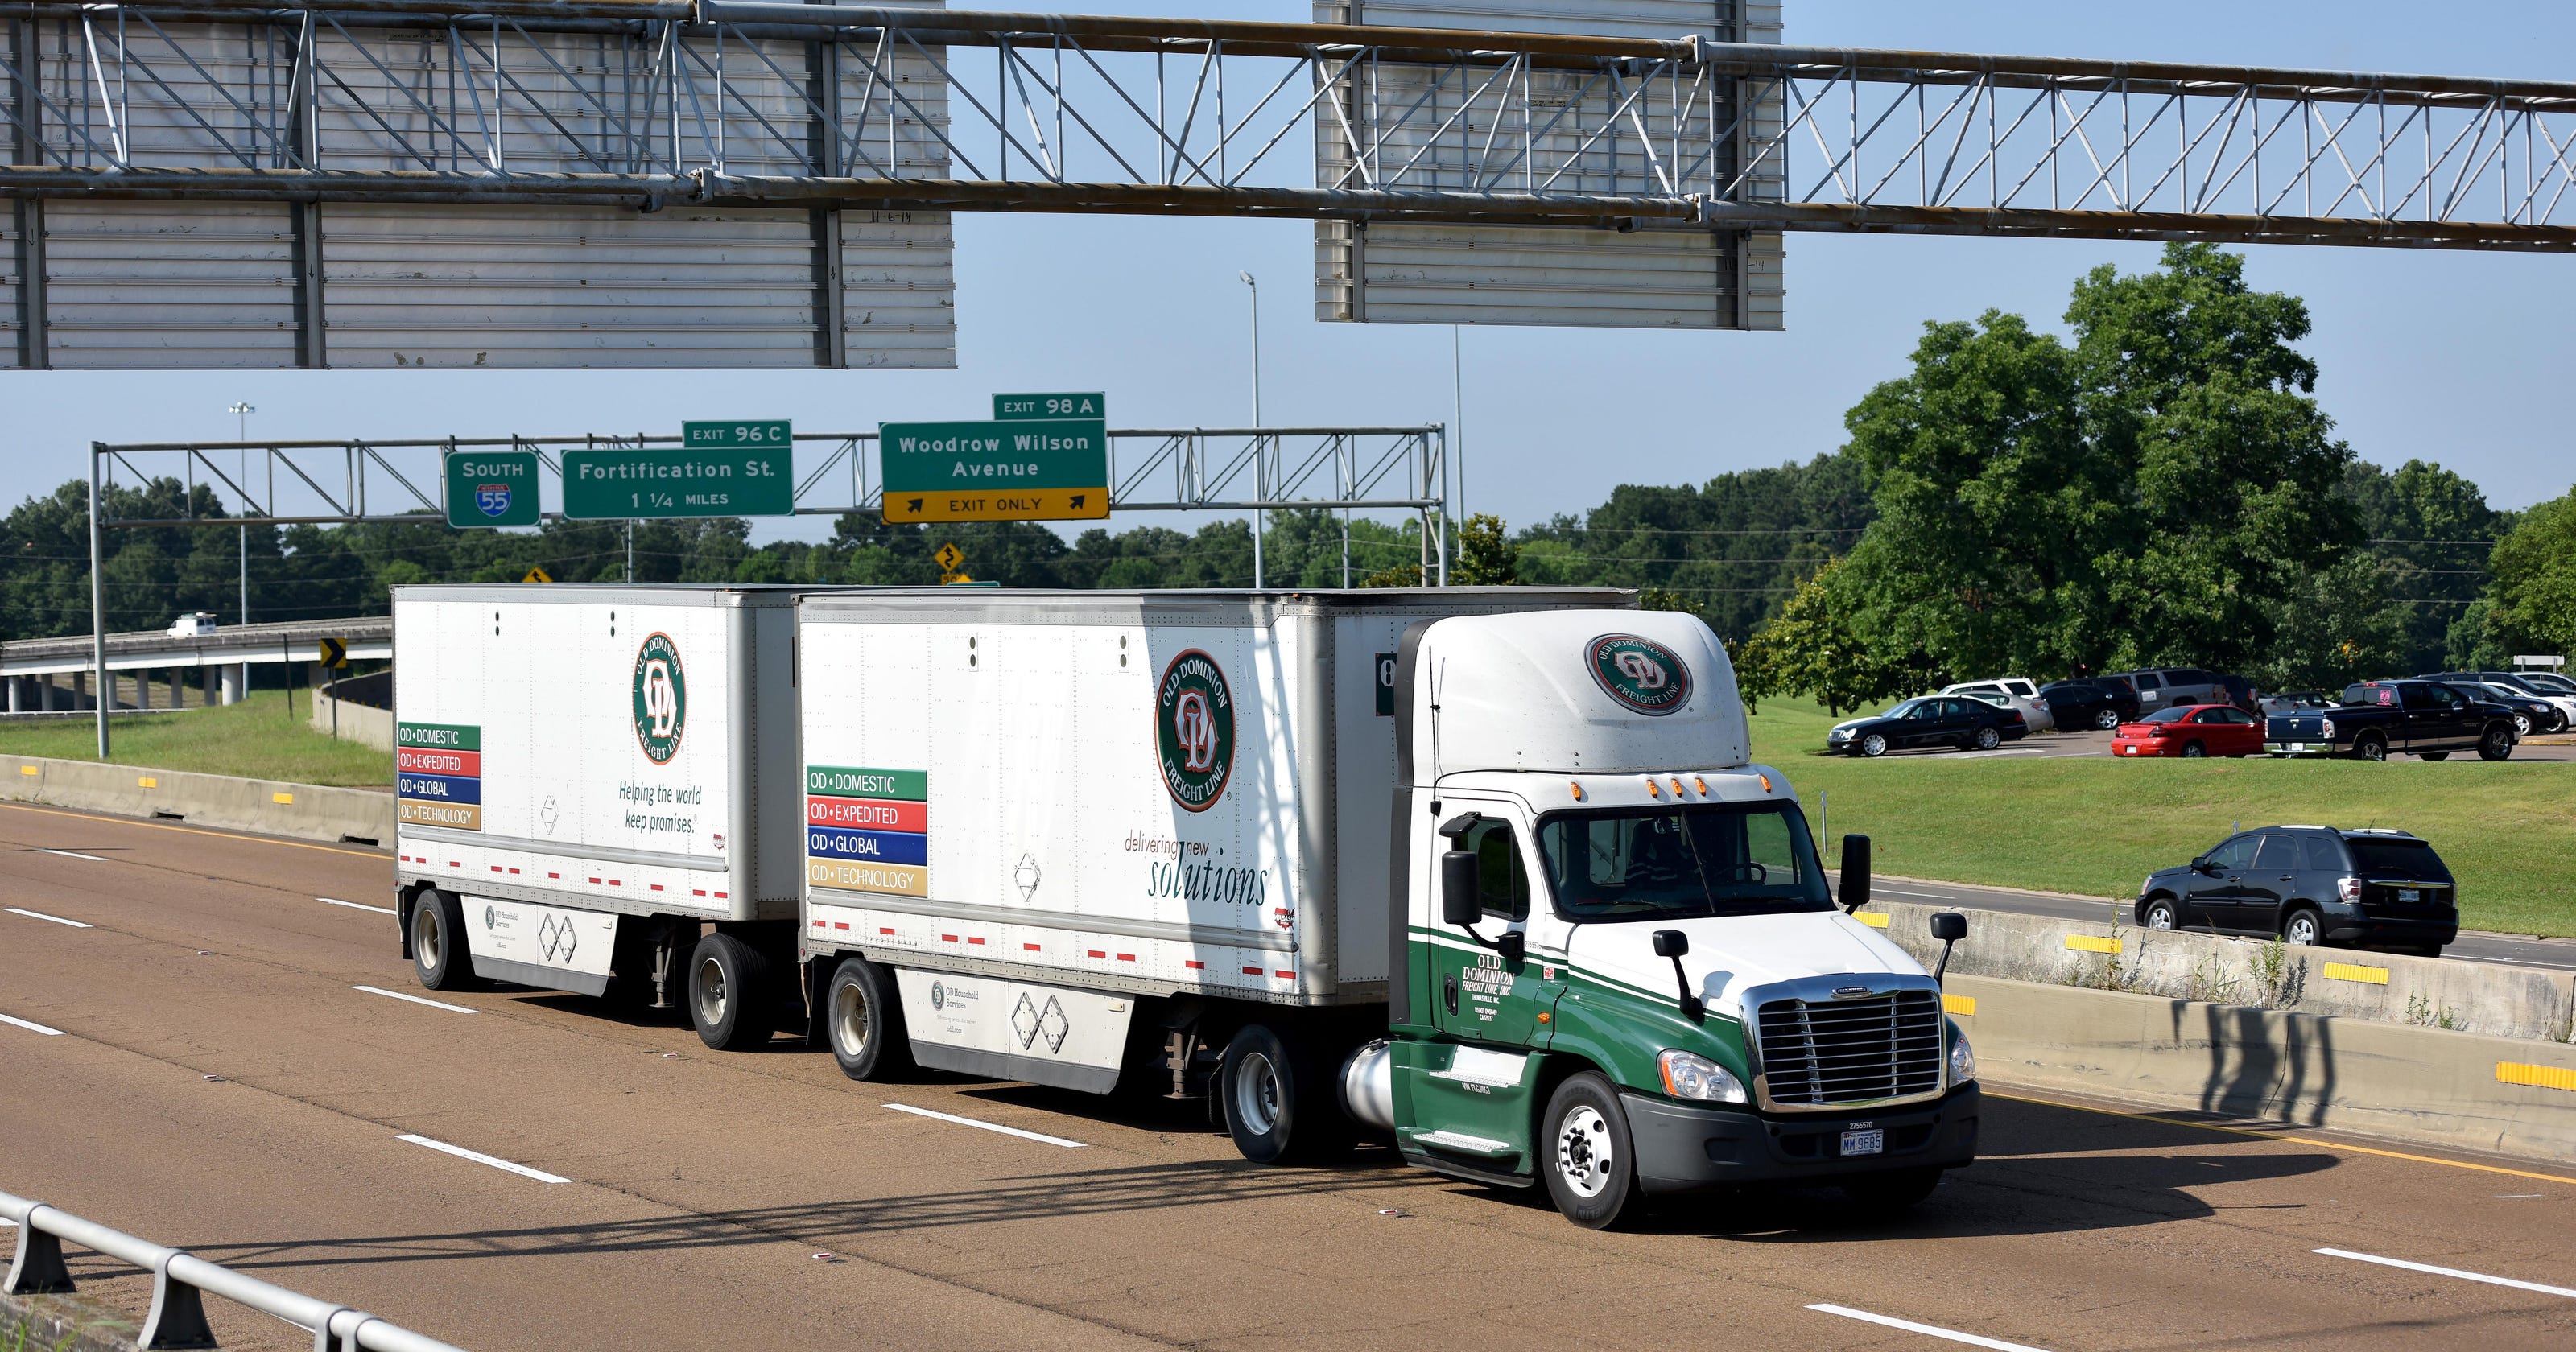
x,y
1620,970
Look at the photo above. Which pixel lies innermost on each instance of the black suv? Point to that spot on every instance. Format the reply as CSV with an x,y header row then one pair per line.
x,y
2311,885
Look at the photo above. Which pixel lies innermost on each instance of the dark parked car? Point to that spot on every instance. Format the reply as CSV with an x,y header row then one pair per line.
x,y
2311,885
2547,709
2163,687
1933,720
2377,719
2102,704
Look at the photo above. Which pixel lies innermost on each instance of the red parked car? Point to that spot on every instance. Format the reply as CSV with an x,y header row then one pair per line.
x,y
2192,730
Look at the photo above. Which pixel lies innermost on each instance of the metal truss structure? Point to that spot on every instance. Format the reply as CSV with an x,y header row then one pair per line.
x,y
752,104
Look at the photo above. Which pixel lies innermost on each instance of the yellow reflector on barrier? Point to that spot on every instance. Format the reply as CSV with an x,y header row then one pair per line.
x,y
26,769
2539,1077
146,782
281,798
2092,943
1959,1004
2354,971
1870,918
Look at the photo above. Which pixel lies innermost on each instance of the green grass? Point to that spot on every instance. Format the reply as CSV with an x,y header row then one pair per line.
x,y
256,738
2097,826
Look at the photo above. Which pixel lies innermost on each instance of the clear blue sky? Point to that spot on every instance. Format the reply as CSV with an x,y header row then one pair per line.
x,y
2455,357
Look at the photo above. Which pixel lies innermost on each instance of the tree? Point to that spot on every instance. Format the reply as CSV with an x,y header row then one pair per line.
x,y
1486,557
2430,531
1810,649
2531,607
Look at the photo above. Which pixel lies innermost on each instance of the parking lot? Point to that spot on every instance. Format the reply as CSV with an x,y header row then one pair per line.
x,y
2560,747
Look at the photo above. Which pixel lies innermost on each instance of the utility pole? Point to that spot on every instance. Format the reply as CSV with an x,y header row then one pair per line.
x,y
1258,478
98,605
242,412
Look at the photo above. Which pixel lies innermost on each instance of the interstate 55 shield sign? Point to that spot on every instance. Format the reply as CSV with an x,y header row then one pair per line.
x,y
491,488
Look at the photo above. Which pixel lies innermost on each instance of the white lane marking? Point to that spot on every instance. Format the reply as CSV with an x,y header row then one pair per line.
x,y
479,1157
357,906
988,1126
2447,1272
1910,892
31,1027
1926,1330
415,999
74,854
39,915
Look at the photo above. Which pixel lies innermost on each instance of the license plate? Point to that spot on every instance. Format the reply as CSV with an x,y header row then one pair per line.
x,y
2298,746
1864,1143
2409,894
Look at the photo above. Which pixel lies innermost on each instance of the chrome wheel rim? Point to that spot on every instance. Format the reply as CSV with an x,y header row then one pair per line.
x,y
1256,1094
1987,738
850,1018
1583,1155
710,993
1872,745
425,936
2106,720
2160,917
2303,931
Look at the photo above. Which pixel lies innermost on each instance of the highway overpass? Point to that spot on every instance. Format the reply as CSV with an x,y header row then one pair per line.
x,y
54,673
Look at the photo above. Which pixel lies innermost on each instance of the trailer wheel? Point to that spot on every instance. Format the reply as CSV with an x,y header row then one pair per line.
x,y
863,1017
730,998
1587,1155
438,955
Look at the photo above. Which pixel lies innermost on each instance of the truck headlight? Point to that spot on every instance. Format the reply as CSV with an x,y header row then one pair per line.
x,y
1963,1062
1689,1075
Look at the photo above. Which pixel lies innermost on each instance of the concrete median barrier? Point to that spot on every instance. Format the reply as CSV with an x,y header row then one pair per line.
x,y
2444,994
64,1323
2420,1085
271,807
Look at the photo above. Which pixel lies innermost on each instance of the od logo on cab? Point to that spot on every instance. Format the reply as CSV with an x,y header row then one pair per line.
x,y
1640,673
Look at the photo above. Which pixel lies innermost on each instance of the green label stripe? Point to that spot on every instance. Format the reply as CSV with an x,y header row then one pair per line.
x,y
1436,939
846,781
444,736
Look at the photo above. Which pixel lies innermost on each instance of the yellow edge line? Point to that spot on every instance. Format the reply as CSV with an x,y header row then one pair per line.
x,y
2294,1140
195,831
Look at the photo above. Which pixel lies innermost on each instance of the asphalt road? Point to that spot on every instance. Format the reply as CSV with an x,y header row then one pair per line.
x,y
225,1079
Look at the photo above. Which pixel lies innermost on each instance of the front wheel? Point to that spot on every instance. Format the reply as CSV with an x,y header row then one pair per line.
x,y
2522,725
2496,745
1988,739
1881,1195
1873,746
863,1018
2303,930
1587,1155
2160,915
438,956
2106,720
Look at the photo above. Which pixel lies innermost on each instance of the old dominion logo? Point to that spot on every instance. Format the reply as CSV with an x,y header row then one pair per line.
x,y
1640,673
1194,730
661,699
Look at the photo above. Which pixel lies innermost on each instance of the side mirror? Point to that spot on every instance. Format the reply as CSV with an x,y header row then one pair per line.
x,y
1512,945
1673,944
1949,927
1459,904
1855,880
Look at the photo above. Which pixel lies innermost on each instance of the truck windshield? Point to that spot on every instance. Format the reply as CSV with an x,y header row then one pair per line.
x,y
1717,859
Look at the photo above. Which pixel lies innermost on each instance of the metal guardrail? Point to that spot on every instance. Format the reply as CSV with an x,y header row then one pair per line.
x,y
179,1280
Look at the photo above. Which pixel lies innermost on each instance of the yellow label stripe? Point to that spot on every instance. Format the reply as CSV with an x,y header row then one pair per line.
x,y
1959,1004
2092,943
2354,971
1870,918
2538,1077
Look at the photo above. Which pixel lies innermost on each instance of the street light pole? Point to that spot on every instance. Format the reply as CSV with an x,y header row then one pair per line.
x,y
242,412
1258,478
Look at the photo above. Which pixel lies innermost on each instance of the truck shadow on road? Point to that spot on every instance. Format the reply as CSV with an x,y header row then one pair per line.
x,y
2041,1169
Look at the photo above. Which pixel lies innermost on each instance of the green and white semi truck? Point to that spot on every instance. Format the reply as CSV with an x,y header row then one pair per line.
x,y
1486,871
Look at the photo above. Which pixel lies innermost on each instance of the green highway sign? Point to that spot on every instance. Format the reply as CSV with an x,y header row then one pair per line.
x,y
491,488
701,436
739,479
1028,407
1050,470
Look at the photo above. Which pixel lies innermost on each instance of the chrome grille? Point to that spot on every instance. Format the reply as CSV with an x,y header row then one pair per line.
x,y
1824,1052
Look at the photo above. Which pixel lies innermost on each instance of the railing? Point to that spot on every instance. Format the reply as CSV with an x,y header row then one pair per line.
x,y
179,1281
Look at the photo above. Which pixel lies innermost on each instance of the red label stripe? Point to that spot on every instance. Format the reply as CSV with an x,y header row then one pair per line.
x,y
1193,964
885,929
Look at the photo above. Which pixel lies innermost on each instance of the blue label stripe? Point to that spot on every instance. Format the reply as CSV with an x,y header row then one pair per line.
x,y
883,847
439,788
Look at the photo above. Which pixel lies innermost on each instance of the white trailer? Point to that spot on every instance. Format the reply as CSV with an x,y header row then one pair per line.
x,y
1242,844
587,777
